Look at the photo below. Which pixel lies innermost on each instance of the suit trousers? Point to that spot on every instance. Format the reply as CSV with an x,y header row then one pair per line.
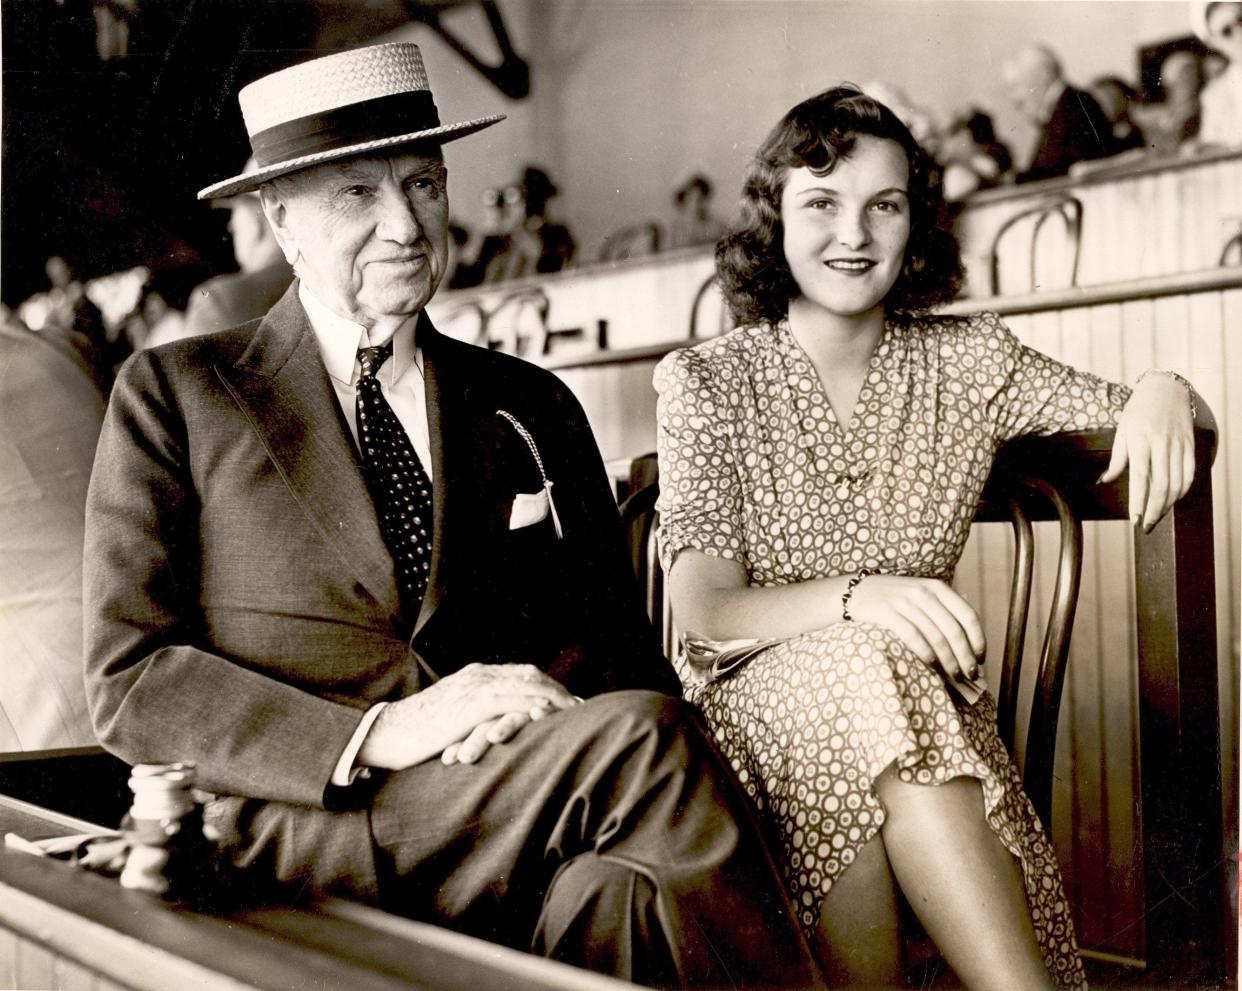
x,y
610,836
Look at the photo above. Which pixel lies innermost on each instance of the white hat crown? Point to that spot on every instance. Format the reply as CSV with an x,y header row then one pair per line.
x,y
355,102
332,82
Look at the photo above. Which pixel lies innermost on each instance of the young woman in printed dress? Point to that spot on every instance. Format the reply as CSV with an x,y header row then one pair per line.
x,y
820,467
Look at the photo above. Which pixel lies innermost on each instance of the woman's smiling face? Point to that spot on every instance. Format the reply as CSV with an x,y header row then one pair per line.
x,y
845,232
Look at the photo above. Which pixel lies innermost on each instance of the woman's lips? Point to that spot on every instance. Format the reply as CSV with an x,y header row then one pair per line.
x,y
850,266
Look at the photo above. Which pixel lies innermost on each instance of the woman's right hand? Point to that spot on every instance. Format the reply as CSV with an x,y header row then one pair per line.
x,y
929,617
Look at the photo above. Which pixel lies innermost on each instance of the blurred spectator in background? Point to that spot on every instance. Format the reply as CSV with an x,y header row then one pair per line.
x,y
502,211
1175,119
230,300
152,321
1116,97
971,156
519,238
51,409
65,314
693,221
1220,25
1072,127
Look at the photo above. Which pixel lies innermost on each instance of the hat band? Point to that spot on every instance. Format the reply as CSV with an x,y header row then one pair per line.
x,y
357,123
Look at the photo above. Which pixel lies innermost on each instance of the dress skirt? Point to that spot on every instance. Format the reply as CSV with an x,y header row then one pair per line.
x,y
810,723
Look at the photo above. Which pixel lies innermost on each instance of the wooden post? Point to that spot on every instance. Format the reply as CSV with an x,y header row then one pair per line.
x,y
1179,731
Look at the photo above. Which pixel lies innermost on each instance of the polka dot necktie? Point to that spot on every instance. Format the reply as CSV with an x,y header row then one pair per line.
x,y
398,483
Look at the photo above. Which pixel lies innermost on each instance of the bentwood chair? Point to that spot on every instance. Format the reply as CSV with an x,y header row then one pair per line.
x,y
1012,494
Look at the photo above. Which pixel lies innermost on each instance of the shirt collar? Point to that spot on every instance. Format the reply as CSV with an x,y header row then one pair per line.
x,y
340,340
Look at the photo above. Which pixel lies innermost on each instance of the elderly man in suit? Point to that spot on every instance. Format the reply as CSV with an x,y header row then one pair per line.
x,y
364,576
1072,127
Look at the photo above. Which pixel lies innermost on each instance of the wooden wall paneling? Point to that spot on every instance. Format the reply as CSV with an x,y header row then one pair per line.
x,y
1165,220
34,966
1228,198
608,390
70,976
8,959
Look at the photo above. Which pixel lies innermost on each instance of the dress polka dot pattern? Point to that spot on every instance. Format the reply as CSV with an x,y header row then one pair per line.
x,y
754,467
398,483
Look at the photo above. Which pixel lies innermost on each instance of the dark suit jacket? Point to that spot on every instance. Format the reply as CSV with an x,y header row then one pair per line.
x,y
240,602
1077,131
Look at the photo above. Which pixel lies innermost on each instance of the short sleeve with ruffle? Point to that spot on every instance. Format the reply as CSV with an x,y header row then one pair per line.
x,y
700,501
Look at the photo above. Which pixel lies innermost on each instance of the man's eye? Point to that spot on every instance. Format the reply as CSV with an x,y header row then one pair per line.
x,y
354,192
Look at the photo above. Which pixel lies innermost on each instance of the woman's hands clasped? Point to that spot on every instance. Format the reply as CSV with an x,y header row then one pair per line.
x,y
1155,439
930,618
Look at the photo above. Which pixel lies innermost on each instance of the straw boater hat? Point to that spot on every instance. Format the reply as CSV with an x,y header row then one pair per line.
x,y
365,100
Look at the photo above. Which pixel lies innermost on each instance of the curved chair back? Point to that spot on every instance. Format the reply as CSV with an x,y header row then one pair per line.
x,y
1068,209
1015,490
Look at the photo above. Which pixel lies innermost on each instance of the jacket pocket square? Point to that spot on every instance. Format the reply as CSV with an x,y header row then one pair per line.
x,y
528,508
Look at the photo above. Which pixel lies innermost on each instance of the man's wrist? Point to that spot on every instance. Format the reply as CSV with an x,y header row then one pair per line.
x,y
352,763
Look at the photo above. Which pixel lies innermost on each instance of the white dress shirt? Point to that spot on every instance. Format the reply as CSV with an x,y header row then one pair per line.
x,y
401,382
400,377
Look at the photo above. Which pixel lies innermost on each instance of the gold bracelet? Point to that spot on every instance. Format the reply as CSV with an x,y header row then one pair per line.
x,y
1190,389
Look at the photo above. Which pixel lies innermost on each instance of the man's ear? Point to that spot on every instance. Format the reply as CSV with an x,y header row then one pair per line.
x,y
277,215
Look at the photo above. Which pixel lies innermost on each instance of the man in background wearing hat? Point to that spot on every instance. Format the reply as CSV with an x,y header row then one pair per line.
x,y
364,576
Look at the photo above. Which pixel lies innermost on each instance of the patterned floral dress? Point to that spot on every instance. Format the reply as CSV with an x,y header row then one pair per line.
x,y
754,467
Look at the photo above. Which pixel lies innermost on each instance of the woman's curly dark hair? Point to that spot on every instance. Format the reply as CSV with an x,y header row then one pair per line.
x,y
750,261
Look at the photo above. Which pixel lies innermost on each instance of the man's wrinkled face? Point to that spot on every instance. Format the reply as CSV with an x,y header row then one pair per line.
x,y
368,235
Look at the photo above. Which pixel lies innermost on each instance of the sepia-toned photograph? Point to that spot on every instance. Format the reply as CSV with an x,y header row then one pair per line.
x,y
567,495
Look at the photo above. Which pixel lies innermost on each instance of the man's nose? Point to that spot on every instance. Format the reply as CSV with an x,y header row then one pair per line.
x,y
852,229
398,221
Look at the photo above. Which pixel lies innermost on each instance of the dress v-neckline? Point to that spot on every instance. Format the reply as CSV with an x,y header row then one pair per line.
x,y
847,432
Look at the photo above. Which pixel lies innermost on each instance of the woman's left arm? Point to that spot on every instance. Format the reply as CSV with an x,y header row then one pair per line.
x,y
1155,439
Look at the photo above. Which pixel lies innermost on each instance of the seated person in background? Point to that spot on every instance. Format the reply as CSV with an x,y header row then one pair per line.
x,y
235,297
51,408
1220,25
535,243
819,470
971,156
518,238
1071,126
64,312
326,562
1173,121
693,221
1116,97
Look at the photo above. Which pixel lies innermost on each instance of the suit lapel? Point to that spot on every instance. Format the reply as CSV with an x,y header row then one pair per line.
x,y
281,385
462,421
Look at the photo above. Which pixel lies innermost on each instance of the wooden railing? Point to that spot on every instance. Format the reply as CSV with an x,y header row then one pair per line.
x,y
68,929
1123,221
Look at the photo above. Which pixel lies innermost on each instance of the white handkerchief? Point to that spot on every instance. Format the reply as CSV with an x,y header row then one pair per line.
x,y
528,508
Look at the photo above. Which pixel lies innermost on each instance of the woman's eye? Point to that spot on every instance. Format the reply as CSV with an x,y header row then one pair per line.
x,y
887,206
821,204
